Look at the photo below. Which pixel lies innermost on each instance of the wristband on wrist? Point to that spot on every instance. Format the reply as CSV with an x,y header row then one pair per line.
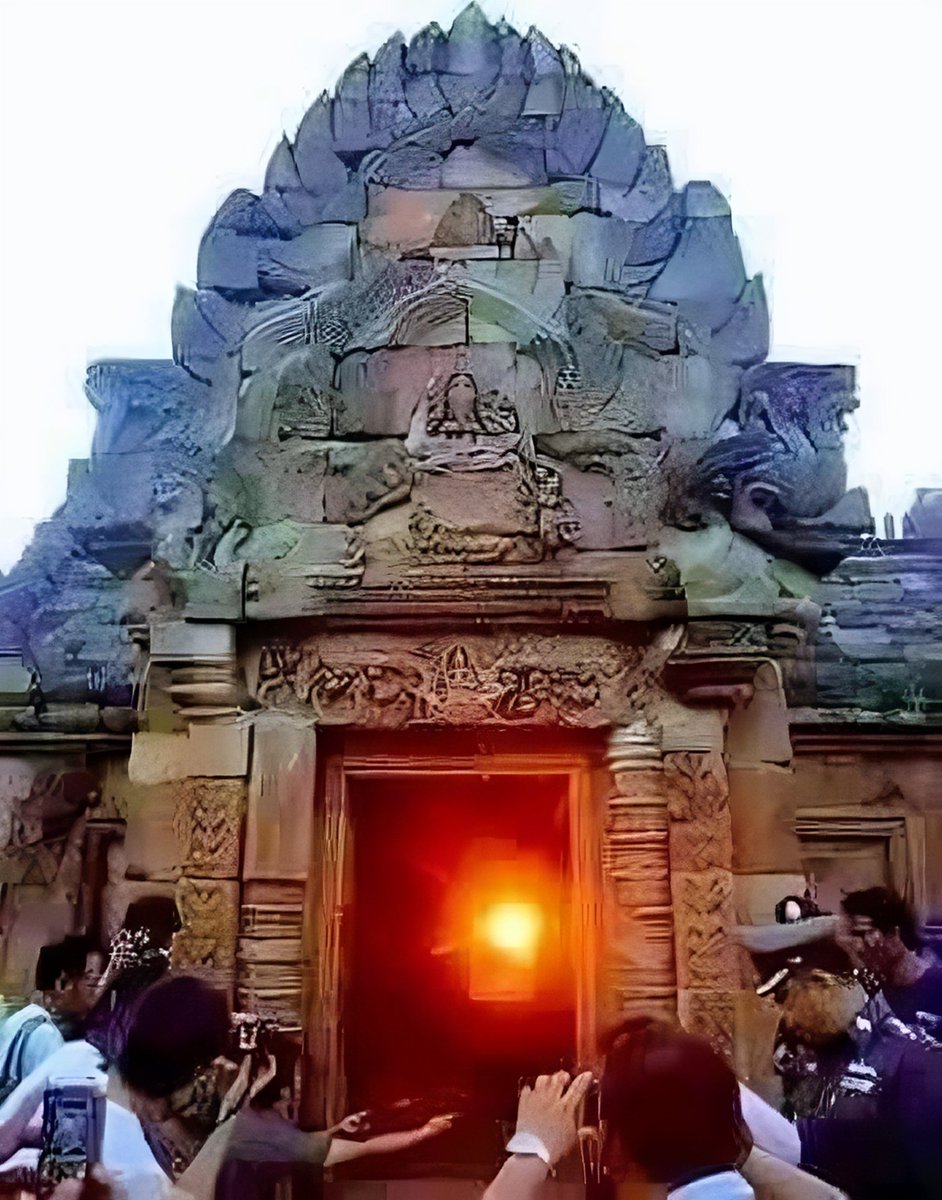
x,y
523,1142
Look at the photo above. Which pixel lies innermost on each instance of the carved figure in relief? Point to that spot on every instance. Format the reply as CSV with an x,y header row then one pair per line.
x,y
560,526
461,409
454,682
455,428
434,541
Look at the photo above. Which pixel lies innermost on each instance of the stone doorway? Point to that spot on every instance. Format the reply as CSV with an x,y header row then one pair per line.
x,y
476,871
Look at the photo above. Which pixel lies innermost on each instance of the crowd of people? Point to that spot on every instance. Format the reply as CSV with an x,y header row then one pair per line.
x,y
200,1106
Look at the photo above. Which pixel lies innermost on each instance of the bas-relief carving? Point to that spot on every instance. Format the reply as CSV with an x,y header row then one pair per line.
x,y
43,829
711,1014
700,839
208,826
509,679
781,467
492,302
698,805
703,918
209,912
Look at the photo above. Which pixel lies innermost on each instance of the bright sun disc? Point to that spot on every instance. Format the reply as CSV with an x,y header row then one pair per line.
x,y
513,927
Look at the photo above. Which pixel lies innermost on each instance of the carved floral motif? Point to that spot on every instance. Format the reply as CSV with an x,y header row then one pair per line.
x,y
207,824
702,892
209,910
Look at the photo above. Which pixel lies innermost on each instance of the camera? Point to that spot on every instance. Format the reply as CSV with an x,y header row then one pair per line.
x,y
589,1113
73,1129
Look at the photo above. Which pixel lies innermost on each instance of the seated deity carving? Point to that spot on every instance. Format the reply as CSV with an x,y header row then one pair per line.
x,y
455,427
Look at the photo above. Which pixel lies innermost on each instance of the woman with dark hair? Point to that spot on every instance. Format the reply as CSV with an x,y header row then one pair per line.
x,y
672,1113
672,1110
178,1072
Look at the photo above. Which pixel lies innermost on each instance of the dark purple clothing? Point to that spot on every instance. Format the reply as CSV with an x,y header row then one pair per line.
x,y
925,995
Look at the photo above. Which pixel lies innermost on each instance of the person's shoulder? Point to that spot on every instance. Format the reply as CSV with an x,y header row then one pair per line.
x,y
265,1136
78,1055
16,1020
44,1037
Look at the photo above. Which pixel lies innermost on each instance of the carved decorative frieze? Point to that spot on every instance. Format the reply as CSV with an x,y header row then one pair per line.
x,y
711,1015
207,824
698,804
701,846
209,911
703,915
514,678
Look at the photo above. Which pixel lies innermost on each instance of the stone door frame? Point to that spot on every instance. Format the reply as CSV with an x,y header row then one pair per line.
x,y
377,756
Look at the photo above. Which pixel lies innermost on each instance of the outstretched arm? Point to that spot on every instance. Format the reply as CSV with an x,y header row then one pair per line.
x,y
342,1150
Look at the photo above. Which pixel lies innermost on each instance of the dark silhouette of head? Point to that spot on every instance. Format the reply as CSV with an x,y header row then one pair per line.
x,y
670,1103
157,916
67,973
179,1026
881,927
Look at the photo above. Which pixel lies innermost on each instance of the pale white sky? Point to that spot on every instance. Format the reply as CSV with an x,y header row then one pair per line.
x,y
124,124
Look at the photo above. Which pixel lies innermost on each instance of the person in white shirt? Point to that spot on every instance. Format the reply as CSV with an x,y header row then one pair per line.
x,y
125,1154
672,1110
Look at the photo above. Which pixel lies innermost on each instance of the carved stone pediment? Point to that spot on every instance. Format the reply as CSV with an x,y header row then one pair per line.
x,y
471,319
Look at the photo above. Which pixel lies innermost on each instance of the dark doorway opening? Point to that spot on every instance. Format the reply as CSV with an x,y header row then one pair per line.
x,y
460,972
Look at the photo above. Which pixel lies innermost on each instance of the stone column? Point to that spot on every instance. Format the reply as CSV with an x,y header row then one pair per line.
x,y
639,933
701,885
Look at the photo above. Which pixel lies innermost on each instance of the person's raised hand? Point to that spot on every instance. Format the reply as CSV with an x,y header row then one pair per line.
x,y
549,1111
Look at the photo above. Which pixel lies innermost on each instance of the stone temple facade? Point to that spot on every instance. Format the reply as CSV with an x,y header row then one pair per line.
x,y
469,461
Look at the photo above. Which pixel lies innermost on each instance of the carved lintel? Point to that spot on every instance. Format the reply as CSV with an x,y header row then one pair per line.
x,y
394,681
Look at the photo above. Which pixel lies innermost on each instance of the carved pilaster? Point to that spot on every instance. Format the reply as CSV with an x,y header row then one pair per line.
x,y
207,824
208,827
701,883
639,935
206,945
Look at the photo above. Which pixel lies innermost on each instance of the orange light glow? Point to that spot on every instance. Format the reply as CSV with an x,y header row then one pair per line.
x,y
514,928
